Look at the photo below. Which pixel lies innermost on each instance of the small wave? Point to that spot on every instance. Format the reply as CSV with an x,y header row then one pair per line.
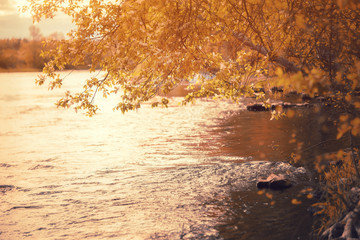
x,y
51,186
92,220
49,159
24,207
107,171
86,183
5,165
30,109
118,204
47,193
235,159
6,188
9,133
39,166
10,98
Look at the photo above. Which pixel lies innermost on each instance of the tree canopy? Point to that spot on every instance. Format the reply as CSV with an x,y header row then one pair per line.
x,y
149,47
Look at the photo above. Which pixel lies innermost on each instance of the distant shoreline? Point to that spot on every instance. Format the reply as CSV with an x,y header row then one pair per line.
x,y
12,70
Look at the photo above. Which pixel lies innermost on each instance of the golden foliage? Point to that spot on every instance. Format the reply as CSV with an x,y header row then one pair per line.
x,y
150,47
339,173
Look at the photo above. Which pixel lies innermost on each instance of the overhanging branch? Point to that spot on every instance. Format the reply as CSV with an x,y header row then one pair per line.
x,y
288,65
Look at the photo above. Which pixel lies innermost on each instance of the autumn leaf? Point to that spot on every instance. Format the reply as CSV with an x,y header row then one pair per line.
x,y
344,118
268,195
355,123
342,130
295,201
348,97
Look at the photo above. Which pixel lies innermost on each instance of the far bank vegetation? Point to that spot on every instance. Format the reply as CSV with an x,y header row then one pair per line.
x,y
25,54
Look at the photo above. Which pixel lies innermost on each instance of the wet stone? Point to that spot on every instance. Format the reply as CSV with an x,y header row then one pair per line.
x,y
275,182
257,107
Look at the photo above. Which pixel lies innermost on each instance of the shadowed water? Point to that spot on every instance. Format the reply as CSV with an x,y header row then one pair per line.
x,y
185,172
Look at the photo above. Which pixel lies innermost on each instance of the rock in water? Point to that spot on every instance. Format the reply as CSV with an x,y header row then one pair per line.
x,y
257,107
275,182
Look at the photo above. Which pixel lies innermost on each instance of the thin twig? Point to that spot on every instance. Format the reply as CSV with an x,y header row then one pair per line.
x,y
97,87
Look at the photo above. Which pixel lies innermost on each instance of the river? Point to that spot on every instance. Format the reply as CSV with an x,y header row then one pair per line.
x,y
184,172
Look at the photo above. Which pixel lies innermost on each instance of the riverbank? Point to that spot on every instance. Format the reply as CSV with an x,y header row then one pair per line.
x,y
338,207
348,227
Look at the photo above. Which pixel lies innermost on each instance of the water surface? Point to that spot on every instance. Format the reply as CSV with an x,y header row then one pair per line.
x,y
185,172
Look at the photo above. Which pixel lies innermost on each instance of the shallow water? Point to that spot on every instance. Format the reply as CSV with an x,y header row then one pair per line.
x,y
185,172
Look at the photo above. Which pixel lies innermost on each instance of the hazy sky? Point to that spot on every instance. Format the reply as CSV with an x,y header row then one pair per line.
x,y
14,24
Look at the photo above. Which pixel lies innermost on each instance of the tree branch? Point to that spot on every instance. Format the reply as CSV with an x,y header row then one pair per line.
x,y
97,87
288,65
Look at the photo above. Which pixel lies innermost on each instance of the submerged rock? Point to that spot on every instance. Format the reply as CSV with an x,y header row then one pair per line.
x,y
275,182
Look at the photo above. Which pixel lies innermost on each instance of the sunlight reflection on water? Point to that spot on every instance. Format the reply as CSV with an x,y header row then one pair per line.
x,y
173,173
